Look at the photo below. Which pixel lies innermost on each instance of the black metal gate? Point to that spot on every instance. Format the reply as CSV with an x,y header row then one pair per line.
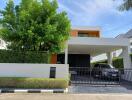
x,y
86,75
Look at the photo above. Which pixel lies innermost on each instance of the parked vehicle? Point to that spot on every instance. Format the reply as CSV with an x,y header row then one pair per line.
x,y
105,71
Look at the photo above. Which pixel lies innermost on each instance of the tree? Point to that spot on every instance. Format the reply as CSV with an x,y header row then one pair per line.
x,y
34,25
127,5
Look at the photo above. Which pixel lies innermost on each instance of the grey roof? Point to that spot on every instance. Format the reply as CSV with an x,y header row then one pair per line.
x,y
120,36
126,35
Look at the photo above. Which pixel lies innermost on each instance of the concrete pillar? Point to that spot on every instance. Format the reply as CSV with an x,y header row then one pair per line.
x,y
66,54
126,57
109,58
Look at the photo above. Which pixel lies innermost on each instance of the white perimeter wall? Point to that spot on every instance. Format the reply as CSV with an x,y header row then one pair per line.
x,y
33,70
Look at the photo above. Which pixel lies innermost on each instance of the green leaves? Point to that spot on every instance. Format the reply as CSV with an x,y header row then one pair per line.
x,y
127,5
35,25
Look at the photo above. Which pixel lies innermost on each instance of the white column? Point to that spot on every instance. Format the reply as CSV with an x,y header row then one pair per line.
x,y
66,54
126,57
109,58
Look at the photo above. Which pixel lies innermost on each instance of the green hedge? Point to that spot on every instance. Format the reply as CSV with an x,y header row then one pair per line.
x,y
9,56
13,82
118,62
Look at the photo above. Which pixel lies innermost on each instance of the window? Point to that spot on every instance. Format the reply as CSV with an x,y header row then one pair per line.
x,y
80,34
52,72
83,34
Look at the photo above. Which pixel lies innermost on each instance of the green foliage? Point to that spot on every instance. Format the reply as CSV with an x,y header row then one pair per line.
x,y
34,25
9,56
19,82
131,56
118,63
127,5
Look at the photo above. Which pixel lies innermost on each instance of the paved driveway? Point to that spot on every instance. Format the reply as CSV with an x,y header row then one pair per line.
x,y
124,87
41,96
98,89
83,88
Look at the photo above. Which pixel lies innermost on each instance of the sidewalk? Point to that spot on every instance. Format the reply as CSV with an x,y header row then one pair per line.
x,y
41,96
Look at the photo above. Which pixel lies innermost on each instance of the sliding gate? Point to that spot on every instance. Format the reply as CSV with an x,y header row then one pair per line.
x,y
85,75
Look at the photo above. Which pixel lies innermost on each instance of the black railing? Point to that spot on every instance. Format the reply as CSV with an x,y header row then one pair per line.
x,y
85,75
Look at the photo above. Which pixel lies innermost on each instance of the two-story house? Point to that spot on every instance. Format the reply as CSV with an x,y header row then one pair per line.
x,y
86,43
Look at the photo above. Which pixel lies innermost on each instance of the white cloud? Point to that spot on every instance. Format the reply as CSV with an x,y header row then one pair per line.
x,y
67,9
98,7
89,11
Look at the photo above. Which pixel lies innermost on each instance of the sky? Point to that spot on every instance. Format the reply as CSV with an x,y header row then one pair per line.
x,y
100,13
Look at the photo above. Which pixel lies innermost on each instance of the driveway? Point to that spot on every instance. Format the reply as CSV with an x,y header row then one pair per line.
x,y
41,96
124,87
98,89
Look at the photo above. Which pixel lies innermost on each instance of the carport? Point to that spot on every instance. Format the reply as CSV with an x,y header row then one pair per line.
x,y
94,47
97,46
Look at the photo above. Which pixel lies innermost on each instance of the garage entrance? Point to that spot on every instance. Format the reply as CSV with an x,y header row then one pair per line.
x,y
75,60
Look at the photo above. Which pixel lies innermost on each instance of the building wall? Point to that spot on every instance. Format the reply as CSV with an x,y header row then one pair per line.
x,y
53,59
74,33
33,70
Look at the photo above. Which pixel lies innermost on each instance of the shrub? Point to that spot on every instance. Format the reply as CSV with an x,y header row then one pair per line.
x,y
17,82
131,56
118,63
9,56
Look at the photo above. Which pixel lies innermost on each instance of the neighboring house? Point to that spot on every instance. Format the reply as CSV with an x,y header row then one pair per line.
x,y
3,45
85,43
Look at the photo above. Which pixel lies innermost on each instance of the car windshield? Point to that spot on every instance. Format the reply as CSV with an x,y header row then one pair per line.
x,y
107,66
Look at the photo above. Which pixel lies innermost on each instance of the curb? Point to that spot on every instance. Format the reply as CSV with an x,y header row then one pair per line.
x,y
34,90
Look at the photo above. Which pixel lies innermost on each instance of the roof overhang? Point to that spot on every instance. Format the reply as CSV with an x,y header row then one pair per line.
x,y
95,46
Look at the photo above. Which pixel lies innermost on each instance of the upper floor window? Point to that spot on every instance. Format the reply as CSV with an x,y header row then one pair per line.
x,y
83,35
80,34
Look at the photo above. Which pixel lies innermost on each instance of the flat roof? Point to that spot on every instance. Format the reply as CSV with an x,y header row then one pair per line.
x,y
95,46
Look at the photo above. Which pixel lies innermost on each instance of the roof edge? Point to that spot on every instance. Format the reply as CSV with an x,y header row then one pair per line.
x,y
86,28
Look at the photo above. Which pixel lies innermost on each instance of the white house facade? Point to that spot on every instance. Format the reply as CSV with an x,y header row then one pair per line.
x,y
86,43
